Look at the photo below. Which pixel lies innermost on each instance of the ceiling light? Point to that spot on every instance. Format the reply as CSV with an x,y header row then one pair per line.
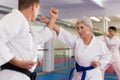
x,y
95,19
98,2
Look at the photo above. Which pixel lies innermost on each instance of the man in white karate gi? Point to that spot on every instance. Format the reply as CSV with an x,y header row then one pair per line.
x,y
91,54
18,43
113,43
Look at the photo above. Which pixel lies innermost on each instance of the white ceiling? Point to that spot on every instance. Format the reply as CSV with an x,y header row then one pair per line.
x,y
77,8
74,8
9,3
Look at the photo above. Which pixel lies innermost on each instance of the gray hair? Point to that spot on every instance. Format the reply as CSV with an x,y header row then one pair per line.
x,y
86,21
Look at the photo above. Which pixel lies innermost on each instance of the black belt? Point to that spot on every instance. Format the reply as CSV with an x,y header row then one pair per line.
x,y
15,68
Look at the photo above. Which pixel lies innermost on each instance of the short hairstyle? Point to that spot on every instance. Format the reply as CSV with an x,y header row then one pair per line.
x,y
86,20
23,4
113,28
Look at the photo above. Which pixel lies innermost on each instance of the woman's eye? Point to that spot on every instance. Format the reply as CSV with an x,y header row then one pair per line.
x,y
81,27
77,28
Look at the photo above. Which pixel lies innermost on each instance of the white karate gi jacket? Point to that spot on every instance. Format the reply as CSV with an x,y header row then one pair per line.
x,y
113,44
84,55
17,39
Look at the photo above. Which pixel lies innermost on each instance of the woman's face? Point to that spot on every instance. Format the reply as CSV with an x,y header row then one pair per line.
x,y
83,30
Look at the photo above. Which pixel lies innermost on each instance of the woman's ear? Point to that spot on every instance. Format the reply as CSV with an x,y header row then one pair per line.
x,y
91,29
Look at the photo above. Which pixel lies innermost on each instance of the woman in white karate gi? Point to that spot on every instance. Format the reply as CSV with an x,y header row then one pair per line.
x,y
18,43
89,51
113,43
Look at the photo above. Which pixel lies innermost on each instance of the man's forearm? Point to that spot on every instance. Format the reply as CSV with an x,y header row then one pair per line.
x,y
14,61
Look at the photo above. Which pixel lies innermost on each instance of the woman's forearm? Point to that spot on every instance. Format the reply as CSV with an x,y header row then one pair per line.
x,y
56,28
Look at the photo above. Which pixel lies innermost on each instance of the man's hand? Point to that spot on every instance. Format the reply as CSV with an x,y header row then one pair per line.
x,y
105,34
95,63
28,64
44,19
53,14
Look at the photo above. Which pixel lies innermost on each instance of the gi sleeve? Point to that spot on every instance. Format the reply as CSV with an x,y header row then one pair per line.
x,y
101,38
5,55
114,43
67,38
44,35
104,39
105,56
6,34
